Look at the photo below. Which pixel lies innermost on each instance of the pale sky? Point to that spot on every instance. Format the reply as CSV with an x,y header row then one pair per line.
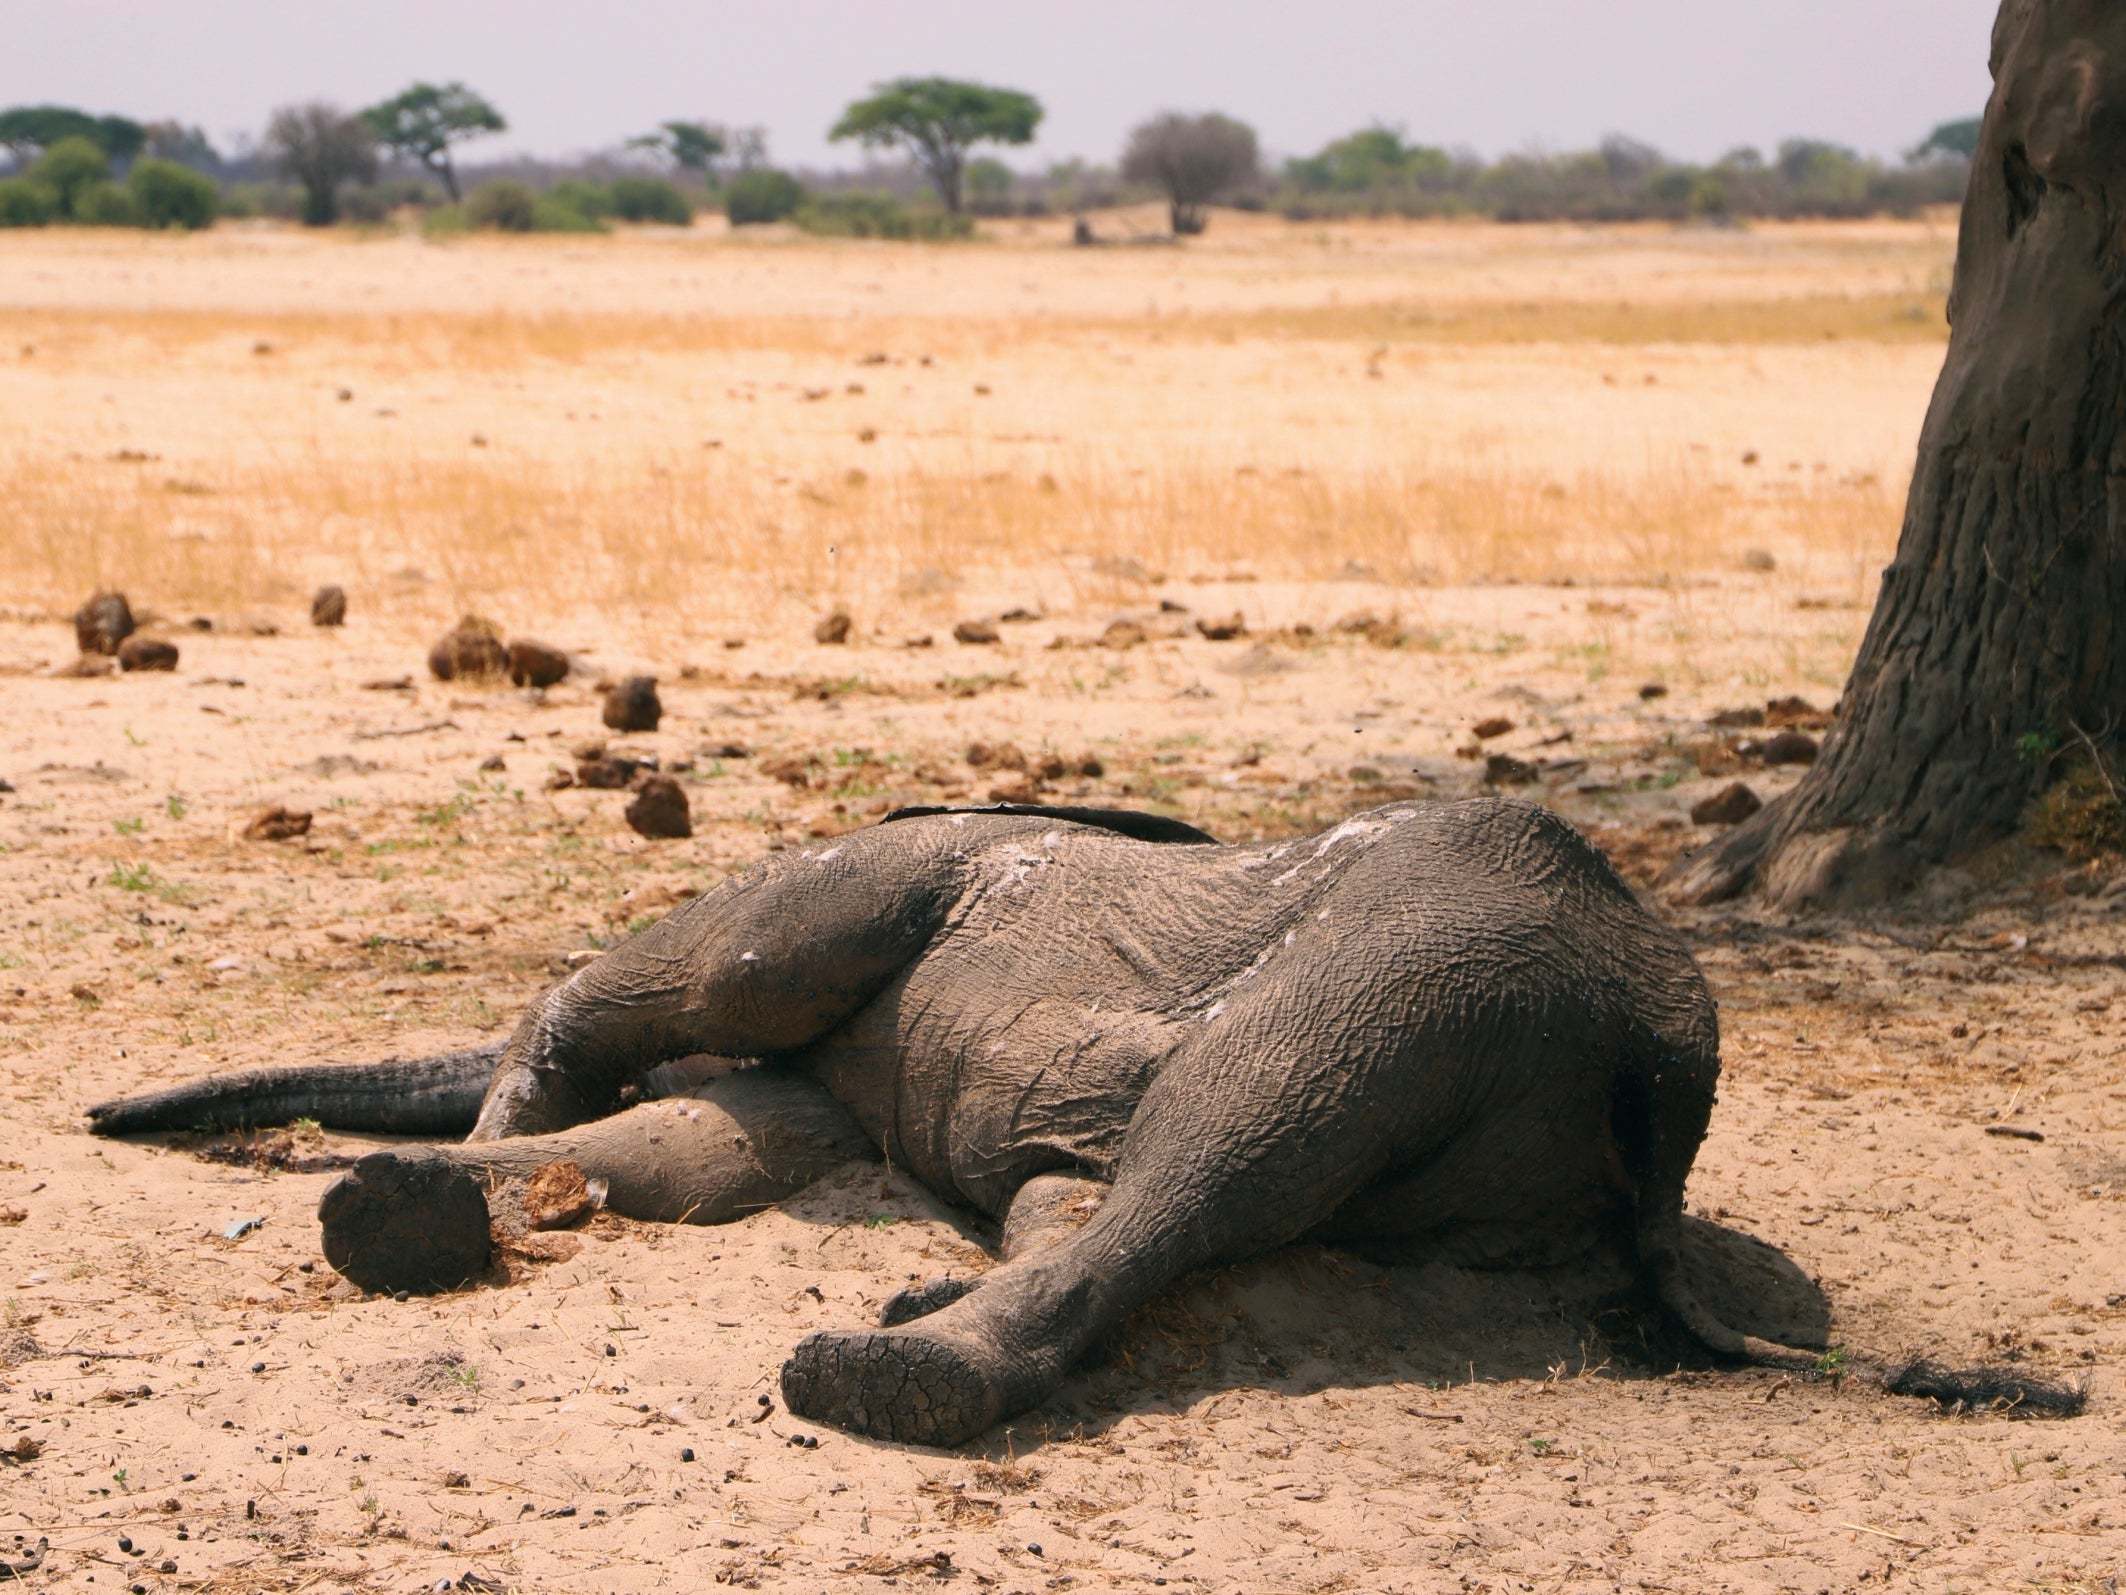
x,y
1493,75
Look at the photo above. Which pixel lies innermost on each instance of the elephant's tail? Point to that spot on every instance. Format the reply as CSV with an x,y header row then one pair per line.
x,y
1981,1389
438,1096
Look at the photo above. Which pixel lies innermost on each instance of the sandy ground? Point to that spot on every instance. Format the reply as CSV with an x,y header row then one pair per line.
x,y
184,1411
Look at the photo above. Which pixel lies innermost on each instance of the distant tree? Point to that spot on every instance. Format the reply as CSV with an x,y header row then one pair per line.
x,y
1957,139
648,199
27,129
1630,161
989,184
690,146
936,120
1369,161
69,170
1192,160
322,148
187,146
1742,158
424,121
749,147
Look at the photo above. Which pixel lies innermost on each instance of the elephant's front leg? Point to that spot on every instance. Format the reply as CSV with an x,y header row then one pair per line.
x,y
1047,1210
1243,1143
418,1220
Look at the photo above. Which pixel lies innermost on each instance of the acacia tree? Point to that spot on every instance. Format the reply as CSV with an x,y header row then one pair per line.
x,y
689,146
1192,160
322,148
1996,656
27,129
424,121
937,120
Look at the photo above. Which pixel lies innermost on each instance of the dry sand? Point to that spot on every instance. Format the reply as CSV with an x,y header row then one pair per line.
x,y
1307,1422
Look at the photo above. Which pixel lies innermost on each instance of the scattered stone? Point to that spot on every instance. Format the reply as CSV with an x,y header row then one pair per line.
x,y
608,772
1503,769
1759,560
976,632
147,653
995,756
1496,726
1172,606
1731,805
200,623
1738,719
557,1195
1653,690
1233,625
659,809
924,641
1122,634
535,664
493,764
473,648
329,607
1798,713
102,623
633,705
88,665
277,824
1019,614
834,629
389,684
1790,747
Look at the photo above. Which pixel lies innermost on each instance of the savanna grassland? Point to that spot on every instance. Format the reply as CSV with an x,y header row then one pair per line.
x,y
1585,488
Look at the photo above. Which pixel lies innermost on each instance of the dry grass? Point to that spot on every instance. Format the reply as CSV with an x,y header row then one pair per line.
x,y
529,428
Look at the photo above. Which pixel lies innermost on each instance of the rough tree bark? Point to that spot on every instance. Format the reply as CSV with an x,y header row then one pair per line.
x,y
2000,628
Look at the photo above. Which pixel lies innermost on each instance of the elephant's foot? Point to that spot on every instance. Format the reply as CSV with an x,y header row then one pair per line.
x,y
900,1384
413,1222
919,1301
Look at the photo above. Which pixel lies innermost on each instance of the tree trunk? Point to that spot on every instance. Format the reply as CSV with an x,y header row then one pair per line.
x,y
1999,634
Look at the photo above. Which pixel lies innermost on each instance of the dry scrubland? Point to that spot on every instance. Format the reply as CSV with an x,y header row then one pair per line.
x,y
1556,466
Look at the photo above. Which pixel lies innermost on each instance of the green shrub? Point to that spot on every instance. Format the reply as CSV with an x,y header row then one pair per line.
x,y
857,215
70,167
168,195
105,204
503,206
591,200
551,215
649,199
25,202
762,196
445,221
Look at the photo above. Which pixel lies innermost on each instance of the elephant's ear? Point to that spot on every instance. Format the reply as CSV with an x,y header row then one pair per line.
x,y
1124,822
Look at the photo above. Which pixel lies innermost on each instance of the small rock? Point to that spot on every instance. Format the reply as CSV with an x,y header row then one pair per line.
x,y
102,623
493,763
834,629
1233,625
473,648
1653,690
608,772
1797,712
1122,634
277,824
659,809
633,705
1737,719
1731,805
535,664
1790,747
147,653
1759,560
1503,769
1019,614
975,632
329,607
995,756
1496,726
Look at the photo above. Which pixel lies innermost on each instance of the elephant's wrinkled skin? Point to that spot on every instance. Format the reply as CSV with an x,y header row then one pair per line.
x,y
1447,1024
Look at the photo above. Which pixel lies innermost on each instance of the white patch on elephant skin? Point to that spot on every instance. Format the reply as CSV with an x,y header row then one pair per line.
x,y
831,852
749,957
1213,1012
1364,830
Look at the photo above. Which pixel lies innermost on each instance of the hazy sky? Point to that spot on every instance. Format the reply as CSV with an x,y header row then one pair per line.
x,y
1693,76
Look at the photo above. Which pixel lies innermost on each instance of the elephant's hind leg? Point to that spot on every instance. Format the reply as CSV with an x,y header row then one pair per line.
x,y
1236,1148
418,1220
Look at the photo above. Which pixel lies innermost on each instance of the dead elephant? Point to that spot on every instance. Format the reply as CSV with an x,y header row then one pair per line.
x,y
1444,1024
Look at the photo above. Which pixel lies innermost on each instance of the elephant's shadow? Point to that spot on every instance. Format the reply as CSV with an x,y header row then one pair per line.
x,y
1312,1317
